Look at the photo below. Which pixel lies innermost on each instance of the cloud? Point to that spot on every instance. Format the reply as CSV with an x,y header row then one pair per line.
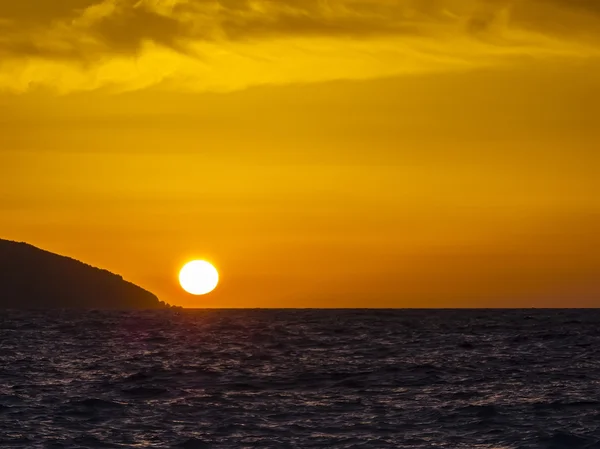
x,y
86,44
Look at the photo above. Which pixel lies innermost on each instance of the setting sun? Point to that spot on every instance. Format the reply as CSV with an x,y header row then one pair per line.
x,y
198,277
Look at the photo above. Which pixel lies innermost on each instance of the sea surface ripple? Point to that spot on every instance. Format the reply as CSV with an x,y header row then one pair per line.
x,y
485,379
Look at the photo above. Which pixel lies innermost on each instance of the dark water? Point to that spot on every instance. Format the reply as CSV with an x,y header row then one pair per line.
x,y
302,379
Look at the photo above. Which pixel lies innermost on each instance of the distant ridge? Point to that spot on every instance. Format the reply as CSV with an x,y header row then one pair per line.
x,y
33,278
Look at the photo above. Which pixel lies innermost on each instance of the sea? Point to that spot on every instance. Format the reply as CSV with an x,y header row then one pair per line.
x,y
472,379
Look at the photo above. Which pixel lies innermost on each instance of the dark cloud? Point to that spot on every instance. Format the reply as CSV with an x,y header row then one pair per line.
x,y
29,12
49,29
588,6
55,29
126,30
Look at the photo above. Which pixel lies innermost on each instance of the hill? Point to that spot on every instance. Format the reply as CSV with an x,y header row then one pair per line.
x,y
33,278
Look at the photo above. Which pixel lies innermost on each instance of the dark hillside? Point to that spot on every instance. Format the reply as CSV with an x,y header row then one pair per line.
x,y
34,278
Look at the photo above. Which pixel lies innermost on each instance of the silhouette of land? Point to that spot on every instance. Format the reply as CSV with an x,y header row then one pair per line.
x,y
33,278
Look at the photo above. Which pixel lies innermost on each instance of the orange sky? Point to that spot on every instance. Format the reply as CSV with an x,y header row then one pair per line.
x,y
390,153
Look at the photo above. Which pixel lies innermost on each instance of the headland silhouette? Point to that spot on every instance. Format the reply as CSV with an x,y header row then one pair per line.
x,y
34,278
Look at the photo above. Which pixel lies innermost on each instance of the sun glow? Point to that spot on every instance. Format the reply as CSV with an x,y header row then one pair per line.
x,y
198,277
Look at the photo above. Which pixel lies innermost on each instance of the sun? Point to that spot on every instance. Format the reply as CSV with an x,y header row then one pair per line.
x,y
198,277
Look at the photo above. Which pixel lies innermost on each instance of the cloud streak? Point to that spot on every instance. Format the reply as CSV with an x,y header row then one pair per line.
x,y
86,44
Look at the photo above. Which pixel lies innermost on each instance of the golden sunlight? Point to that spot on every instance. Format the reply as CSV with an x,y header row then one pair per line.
x,y
198,277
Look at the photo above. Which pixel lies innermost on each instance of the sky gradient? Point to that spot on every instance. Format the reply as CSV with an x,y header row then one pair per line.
x,y
341,153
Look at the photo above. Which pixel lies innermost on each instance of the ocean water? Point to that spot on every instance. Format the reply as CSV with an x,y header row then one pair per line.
x,y
300,379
